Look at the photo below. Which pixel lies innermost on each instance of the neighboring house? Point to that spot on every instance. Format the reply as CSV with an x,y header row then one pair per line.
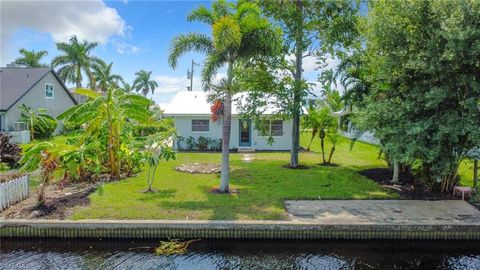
x,y
34,87
192,116
348,129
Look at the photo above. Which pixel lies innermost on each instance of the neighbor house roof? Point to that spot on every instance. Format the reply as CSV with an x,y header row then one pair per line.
x,y
196,103
15,82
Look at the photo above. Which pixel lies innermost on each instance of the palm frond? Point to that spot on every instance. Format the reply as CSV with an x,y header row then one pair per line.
x,y
182,44
210,69
201,14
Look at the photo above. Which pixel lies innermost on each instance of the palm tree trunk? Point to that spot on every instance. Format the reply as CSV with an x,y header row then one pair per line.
x,y
314,133
322,143
331,154
226,128
297,88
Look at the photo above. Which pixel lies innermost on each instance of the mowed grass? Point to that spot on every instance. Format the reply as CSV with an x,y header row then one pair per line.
x,y
263,185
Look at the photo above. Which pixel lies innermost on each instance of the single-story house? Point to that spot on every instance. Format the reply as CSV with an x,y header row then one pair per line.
x,y
35,87
348,129
192,116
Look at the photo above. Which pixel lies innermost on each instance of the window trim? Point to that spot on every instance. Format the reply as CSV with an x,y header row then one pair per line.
x,y
199,131
269,132
53,91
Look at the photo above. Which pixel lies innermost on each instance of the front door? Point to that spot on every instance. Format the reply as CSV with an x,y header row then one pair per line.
x,y
245,127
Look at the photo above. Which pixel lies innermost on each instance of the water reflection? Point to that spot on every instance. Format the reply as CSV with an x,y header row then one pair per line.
x,y
118,254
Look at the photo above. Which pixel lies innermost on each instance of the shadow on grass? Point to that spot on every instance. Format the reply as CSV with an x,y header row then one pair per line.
x,y
158,194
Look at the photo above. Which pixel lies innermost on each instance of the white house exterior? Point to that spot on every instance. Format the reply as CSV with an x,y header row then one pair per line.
x,y
191,113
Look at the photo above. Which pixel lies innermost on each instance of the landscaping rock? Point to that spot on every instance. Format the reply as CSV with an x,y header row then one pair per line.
x,y
193,168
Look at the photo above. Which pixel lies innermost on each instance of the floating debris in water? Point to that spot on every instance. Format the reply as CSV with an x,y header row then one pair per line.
x,y
173,246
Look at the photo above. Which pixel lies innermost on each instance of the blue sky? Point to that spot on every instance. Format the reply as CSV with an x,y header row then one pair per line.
x,y
132,34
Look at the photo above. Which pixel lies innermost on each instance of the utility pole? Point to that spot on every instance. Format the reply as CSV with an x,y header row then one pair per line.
x,y
190,75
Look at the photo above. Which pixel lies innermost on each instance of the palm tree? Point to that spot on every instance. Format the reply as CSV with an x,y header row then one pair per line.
x,y
31,58
108,114
104,77
126,87
143,82
75,61
37,120
238,32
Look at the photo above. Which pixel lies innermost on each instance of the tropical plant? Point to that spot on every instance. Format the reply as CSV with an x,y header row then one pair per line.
x,y
110,119
75,61
36,156
423,102
238,32
104,77
156,151
77,159
322,122
331,96
126,87
316,28
143,82
39,122
10,152
31,58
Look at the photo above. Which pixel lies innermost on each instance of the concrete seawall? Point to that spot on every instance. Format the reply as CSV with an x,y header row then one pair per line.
x,y
232,230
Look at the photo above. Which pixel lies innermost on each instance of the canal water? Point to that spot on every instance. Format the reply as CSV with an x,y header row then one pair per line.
x,y
132,254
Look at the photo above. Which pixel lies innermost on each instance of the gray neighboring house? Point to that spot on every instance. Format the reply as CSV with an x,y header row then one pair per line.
x,y
34,87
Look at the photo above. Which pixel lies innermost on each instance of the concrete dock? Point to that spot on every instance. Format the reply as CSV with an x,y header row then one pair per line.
x,y
320,219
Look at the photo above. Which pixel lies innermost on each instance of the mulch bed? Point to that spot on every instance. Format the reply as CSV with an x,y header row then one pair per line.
x,y
215,190
408,188
299,167
58,205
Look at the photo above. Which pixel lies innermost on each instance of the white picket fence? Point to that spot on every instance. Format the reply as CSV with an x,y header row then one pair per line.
x,y
13,191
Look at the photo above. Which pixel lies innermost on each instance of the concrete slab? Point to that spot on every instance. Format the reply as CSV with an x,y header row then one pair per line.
x,y
381,212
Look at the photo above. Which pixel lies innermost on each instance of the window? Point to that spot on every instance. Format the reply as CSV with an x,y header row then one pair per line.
x,y
48,90
200,125
272,128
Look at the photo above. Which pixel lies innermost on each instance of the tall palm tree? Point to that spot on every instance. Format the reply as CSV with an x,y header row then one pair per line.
x,y
31,58
238,32
76,60
143,82
104,77
108,115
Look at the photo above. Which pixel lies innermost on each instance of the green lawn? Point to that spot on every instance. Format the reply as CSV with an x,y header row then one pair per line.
x,y
263,185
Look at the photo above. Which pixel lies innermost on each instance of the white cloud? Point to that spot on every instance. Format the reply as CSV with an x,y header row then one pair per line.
x,y
88,19
310,63
123,47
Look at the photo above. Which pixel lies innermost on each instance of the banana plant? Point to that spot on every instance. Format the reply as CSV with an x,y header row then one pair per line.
x,y
109,116
37,120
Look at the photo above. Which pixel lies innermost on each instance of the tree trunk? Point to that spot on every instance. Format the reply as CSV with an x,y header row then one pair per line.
x,y
148,177
322,143
41,194
475,173
297,88
331,154
396,171
226,128
314,133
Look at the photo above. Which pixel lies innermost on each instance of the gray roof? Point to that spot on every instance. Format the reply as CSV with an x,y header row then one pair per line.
x,y
474,153
16,82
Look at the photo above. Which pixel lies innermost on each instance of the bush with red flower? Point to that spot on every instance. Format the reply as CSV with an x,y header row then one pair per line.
x,y
217,110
